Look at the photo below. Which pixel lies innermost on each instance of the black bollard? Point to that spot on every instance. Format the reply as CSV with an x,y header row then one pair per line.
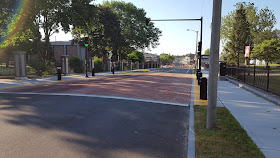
x,y
223,69
197,71
93,72
199,75
58,74
203,88
113,70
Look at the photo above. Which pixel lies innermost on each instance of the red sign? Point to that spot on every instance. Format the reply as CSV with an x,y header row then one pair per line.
x,y
247,51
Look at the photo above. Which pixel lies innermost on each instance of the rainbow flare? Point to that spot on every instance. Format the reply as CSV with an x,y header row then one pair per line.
x,y
20,8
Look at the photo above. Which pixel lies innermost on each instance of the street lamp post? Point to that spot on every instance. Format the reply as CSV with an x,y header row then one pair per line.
x,y
196,40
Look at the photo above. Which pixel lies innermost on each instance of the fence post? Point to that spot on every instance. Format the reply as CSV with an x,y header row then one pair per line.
x,y
244,73
267,85
237,72
254,75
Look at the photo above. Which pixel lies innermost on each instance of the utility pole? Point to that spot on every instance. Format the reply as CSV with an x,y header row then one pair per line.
x,y
201,23
214,64
196,42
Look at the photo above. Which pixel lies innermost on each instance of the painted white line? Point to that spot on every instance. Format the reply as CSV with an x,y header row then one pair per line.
x,y
191,138
188,71
98,96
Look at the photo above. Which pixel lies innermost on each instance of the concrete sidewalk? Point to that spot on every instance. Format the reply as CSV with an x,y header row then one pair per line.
x,y
12,82
259,117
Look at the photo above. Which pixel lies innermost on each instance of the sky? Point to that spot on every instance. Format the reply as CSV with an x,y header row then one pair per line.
x,y
175,39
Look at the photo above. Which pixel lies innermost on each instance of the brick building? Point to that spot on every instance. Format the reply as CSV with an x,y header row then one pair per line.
x,y
150,57
65,48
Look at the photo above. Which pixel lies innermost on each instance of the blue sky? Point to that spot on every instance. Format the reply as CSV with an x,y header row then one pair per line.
x,y
175,38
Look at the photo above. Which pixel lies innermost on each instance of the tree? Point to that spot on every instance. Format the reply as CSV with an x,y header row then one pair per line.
x,y
267,35
166,58
50,16
238,36
268,50
207,51
136,56
111,31
259,21
133,22
16,28
84,18
24,23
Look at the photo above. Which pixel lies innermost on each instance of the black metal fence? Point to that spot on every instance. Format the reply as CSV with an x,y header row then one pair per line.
x,y
7,71
102,67
128,66
266,78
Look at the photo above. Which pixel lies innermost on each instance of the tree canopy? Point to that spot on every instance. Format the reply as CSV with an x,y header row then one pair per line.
x,y
133,22
268,50
207,51
246,25
166,58
113,26
259,21
136,56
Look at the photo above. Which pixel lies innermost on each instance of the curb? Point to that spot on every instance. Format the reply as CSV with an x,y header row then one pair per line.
x,y
191,137
256,91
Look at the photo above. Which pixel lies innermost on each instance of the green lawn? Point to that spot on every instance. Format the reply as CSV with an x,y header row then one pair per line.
x,y
261,80
274,83
271,65
228,140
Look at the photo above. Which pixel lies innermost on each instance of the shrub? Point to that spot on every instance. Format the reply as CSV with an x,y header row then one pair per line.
x,y
98,64
76,64
41,67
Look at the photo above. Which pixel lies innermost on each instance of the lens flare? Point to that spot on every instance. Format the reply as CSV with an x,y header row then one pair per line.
x,y
18,16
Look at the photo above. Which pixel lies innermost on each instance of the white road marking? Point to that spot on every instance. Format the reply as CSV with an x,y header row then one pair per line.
x,y
98,96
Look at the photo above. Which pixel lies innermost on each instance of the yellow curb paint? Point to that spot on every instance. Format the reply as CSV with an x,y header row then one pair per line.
x,y
197,100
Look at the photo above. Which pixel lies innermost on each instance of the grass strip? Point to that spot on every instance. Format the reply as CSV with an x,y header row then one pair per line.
x,y
229,139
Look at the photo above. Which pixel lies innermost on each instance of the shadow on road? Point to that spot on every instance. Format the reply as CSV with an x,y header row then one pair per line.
x,y
93,127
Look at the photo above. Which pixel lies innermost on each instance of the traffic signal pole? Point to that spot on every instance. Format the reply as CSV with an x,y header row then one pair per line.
x,y
201,23
86,45
86,61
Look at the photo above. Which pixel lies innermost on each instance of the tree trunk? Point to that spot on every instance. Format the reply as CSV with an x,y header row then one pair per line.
x,y
48,51
266,64
238,58
7,61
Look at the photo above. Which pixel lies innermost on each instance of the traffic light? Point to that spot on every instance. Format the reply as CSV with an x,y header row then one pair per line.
x,y
199,46
147,23
86,41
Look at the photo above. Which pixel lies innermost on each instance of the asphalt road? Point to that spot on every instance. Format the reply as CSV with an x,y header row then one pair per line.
x,y
40,125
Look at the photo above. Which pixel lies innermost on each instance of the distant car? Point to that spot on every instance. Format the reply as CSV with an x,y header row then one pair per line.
x,y
165,66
